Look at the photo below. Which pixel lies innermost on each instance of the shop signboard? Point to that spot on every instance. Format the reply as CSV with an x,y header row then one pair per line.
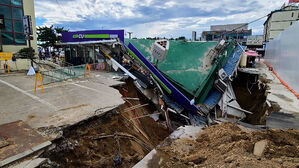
x,y
27,23
92,35
255,40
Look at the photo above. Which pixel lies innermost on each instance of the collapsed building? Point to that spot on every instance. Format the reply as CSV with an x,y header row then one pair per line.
x,y
189,81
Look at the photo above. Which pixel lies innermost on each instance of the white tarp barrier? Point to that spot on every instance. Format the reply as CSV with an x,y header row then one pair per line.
x,y
282,54
31,71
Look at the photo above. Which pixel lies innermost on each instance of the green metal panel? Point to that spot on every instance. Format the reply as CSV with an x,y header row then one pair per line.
x,y
183,64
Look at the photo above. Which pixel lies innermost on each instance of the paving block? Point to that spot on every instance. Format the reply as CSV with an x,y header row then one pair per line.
x,y
259,147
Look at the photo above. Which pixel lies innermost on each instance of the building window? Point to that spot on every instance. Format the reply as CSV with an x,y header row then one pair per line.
x,y
13,33
291,23
292,14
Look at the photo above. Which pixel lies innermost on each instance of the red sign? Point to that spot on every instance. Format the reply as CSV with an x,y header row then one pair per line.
x,y
293,1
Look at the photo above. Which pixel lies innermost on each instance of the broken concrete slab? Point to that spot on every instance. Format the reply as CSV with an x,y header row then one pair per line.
x,y
150,160
287,112
186,132
284,121
63,103
31,163
278,92
23,142
259,147
153,159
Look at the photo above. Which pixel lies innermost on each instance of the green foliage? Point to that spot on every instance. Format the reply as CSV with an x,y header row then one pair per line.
x,y
181,38
49,36
26,53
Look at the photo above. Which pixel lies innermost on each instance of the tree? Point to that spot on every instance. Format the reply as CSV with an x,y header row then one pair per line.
x,y
181,38
49,36
26,53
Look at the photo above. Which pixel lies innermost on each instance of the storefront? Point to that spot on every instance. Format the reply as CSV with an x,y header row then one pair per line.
x,y
84,46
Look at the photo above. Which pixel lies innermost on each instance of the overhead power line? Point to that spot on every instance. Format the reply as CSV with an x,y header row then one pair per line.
x,y
246,24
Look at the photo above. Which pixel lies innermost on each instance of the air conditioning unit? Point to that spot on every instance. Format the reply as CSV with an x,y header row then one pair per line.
x,y
160,49
220,45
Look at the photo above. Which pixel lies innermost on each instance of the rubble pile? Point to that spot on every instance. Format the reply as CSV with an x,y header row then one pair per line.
x,y
230,145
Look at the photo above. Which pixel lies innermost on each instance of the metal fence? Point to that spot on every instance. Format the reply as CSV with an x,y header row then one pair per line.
x,y
71,72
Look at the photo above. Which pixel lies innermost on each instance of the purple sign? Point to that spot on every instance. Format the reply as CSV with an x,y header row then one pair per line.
x,y
92,35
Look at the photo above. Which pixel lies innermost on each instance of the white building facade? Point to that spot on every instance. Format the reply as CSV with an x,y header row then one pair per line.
x,y
279,20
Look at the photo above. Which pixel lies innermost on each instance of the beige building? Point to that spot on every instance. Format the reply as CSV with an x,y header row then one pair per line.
x,y
13,38
279,20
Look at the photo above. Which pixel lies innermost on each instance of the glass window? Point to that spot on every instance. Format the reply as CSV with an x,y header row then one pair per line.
x,y
7,38
17,13
5,10
16,2
20,38
8,25
13,17
6,2
18,26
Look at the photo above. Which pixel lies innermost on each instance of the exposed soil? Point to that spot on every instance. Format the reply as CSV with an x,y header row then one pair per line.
x,y
229,145
94,143
251,95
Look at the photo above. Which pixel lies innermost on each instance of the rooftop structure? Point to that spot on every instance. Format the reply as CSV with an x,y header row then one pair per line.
x,y
234,31
230,27
279,20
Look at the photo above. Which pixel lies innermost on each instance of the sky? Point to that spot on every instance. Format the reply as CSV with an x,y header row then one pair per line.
x,y
153,18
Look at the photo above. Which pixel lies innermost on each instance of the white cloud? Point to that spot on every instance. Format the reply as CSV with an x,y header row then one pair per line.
x,y
78,10
152,17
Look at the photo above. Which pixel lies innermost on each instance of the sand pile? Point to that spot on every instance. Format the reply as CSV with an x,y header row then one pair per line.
x,y
228,145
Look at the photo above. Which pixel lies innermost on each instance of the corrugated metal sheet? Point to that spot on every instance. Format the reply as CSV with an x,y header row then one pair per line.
x,y
215,95
230,66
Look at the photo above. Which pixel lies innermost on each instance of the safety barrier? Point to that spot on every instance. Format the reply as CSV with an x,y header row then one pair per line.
x,y
283,82
71,72
38,75
6,57
65,73
103,66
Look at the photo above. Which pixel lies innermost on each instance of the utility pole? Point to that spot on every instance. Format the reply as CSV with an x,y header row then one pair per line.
x,y
130,34
28,34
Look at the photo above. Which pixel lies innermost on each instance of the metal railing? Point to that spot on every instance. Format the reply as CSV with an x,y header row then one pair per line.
x,y
71,72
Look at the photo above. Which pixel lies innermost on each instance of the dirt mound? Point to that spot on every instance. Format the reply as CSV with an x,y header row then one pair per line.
x,y
228,145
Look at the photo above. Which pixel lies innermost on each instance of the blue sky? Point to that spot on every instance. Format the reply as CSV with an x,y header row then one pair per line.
x,y
150,18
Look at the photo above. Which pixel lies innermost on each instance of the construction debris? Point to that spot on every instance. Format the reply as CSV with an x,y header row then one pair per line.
x,y
259,147
188,88
22,141
227,145
112,139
